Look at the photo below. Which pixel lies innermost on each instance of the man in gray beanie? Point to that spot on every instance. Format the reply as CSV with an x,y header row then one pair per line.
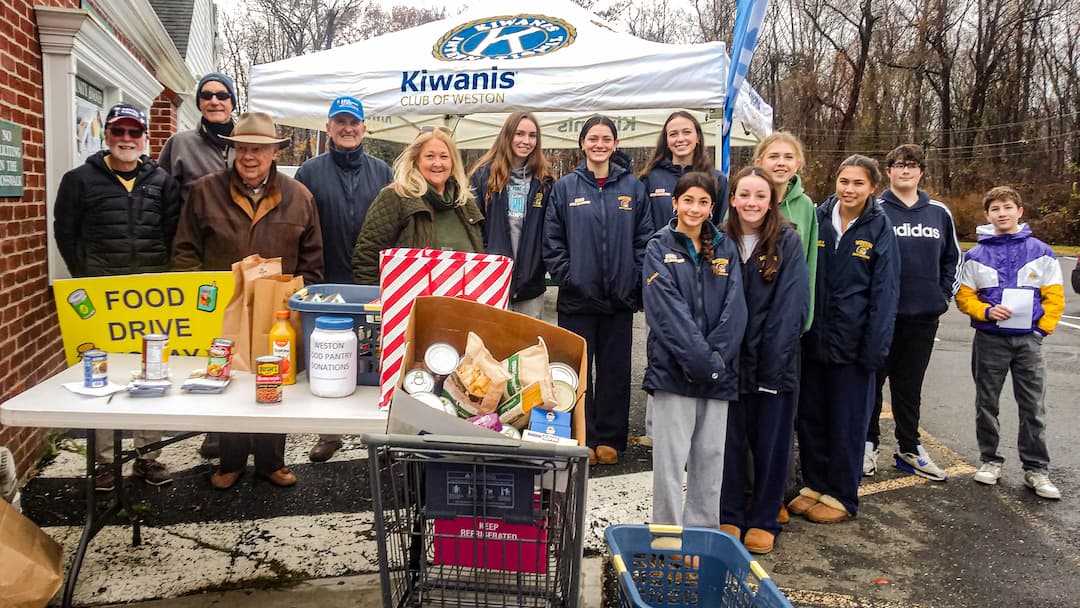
x,y
189,155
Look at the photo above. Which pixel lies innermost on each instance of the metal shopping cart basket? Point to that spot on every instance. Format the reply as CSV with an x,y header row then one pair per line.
x,y
675,566
462,523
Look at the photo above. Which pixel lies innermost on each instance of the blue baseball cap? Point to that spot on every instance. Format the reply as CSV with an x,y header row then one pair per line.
x,y
347,105
125,110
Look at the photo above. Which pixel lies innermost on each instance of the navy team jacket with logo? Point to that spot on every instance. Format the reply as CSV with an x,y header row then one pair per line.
x,y
696,315
858,287
594,241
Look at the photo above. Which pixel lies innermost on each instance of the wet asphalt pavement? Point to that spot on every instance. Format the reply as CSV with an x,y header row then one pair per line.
x,y
915,543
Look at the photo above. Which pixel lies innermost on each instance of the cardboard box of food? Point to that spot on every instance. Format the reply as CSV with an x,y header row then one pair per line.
x,y
440,319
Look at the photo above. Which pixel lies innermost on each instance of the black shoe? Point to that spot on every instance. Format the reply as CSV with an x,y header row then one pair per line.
x,y
210,448
151,471
324,450
104,479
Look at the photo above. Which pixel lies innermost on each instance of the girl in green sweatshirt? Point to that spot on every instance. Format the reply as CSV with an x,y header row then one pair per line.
x,y
781,155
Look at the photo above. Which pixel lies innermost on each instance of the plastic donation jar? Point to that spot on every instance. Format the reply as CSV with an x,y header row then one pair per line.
x,y
283,344
332,364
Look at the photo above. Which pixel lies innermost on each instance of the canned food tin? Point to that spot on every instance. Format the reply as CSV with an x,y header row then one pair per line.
x,y
95,368
418,381
429,399
268,379
565,373
441,359
219,360
565,396
155,357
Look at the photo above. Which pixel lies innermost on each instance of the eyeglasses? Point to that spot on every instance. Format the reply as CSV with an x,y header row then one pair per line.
x,y
906,165
121,131
220,95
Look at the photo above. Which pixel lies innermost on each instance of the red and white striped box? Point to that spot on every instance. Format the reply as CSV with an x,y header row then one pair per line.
x,y
406,273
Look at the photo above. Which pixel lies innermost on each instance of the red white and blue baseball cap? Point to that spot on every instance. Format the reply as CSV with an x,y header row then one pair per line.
x,y
125,110
347,105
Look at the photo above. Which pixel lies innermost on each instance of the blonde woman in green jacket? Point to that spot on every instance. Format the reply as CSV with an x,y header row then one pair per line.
x,y
781,155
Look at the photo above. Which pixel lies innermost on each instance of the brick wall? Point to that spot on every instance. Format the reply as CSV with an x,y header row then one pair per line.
x,y
163,115
30,345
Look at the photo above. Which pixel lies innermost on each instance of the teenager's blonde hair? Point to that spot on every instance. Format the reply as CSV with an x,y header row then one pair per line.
x,y
409,182
785,137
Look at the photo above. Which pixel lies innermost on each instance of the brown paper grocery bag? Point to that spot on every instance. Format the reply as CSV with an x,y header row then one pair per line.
x,y
29,562
236,324
271,295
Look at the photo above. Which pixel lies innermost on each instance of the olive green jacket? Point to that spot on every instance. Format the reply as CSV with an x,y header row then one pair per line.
x,y
394,221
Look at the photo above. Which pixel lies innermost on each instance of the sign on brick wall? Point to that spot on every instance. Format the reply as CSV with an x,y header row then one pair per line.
x,y
11,159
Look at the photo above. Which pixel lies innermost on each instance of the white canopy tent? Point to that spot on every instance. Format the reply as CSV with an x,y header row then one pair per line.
x,y
467,72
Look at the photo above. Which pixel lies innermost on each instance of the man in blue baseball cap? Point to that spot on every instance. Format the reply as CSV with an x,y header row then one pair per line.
x,y
344,181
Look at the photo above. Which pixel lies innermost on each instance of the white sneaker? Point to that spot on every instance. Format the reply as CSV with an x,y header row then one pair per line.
x,y
1040,482
869,460
988,473
919,464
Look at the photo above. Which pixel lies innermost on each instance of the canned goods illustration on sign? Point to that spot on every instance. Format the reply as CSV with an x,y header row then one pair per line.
x,y
441,359
81,303
95,369
268,379
155,357
207,299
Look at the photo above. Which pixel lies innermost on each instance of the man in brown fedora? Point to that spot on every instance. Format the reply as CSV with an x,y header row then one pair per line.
x,y
231,214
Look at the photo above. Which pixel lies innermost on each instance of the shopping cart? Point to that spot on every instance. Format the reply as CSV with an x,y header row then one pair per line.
x,y
462,523
675,566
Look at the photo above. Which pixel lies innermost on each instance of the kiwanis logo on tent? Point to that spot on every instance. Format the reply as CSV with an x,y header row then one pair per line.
x,y
507,37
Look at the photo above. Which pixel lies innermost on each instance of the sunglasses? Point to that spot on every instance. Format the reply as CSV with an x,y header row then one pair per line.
x,y
429,129
220,95
120,131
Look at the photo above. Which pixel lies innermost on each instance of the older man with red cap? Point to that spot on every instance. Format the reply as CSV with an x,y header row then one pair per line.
x,y
116,214
245,209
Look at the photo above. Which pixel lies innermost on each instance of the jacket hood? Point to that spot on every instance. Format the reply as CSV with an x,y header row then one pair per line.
x,y
986,234
615,171
794,190
671,234
890,198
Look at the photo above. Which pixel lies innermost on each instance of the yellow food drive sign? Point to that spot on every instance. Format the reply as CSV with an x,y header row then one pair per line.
x,y
114,313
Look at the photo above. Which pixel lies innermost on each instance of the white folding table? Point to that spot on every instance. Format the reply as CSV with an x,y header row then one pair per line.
x,y
50,405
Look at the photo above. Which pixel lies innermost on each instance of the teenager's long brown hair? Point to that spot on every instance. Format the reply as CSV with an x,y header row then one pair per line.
x,y
768,232
501,154
700,160
705,181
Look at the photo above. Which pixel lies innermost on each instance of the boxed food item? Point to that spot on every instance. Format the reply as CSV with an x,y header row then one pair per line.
x,y
436,319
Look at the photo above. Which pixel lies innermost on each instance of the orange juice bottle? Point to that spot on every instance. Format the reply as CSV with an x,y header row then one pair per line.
x,y
283,344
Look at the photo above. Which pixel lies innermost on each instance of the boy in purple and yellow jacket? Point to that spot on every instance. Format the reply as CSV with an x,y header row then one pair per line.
x,y
1011,273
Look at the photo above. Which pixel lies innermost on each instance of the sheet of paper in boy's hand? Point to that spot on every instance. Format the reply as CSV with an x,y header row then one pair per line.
x,y
1021,302
80,389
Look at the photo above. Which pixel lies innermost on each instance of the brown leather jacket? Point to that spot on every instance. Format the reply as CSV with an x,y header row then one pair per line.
x,y
219,226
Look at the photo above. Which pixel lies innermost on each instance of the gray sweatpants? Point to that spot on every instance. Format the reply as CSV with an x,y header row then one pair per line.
x,y
688,441
105,445
992,357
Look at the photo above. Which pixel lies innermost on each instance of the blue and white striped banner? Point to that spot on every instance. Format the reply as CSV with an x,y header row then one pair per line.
x,y
748,18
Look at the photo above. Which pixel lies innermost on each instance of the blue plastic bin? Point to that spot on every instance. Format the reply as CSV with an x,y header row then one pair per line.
x,y
674,566
368,325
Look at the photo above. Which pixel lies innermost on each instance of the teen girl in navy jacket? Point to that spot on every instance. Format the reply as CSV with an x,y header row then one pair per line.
x,y
680,149
776,284
696,314
858,280
511,183
595,232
